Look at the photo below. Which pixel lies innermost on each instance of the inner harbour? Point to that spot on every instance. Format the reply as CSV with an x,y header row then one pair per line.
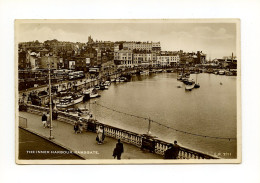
x,y
155,106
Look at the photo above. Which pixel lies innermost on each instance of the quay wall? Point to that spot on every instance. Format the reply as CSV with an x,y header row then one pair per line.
x,y
142,141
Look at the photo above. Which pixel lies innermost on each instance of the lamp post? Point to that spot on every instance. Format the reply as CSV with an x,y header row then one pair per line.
x,y
51,137
149,127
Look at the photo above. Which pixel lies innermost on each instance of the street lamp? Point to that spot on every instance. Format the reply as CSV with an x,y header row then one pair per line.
x,y
149,127
51,137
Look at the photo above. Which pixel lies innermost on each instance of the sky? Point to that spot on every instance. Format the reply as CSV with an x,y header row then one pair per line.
x,y
214,39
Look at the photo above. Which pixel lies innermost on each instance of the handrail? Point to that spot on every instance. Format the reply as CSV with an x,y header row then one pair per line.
x,y
154,145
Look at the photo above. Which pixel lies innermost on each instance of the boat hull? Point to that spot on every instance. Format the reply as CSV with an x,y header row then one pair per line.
x,y
189,87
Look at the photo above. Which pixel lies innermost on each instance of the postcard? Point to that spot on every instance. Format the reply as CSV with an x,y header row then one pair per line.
x,y
123,91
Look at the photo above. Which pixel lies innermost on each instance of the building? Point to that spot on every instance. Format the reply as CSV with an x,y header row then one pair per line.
x,y
154,59
45,60
116,47
124,58
22,64
99,57
168,60
156,47
81,63
142,59
148,46
32,60
201,58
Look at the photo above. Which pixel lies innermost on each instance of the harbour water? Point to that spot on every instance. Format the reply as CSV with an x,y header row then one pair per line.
x,y
210,110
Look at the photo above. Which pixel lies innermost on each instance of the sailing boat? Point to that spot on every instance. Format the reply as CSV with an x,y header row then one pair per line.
x,y
197,85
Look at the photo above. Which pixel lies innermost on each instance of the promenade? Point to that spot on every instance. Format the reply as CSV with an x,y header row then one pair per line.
x,y
85,143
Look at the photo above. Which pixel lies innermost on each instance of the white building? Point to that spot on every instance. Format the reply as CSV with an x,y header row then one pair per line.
x,y
167,60
142,59
148,46
32,59
124,58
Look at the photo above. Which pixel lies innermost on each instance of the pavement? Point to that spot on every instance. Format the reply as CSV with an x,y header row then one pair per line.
x,y
84,143
33,147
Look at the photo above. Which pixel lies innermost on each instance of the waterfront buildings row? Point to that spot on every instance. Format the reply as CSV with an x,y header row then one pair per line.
x,y
131,58
80,56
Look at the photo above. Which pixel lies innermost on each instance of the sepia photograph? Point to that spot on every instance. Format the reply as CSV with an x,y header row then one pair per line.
x,y
121,91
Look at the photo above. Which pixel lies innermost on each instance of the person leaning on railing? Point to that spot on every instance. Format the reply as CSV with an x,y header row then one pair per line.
x,y
172,152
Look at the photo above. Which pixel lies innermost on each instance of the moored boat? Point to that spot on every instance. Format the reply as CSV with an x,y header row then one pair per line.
x,y
189,87
107,83
185,80
179,77
190,82
197,85
123,79
97,87
144,72
229,73
69,101
102,87
94,93
221,72
86,94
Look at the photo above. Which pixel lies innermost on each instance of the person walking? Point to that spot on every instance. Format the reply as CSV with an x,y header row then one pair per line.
x,y
48,120
80,125
44,120
119,149
100,134
76,127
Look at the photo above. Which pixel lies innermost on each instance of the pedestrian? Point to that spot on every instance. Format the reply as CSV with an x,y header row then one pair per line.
x,y
168,154
44,120
103,134
80,125
100,134
176,148
172,152
76,127
119,149
48,120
